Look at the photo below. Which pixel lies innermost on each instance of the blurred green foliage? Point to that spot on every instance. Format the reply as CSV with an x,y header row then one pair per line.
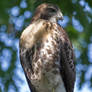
x,y
15,15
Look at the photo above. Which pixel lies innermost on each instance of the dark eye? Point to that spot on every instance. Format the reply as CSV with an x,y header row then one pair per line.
x,y
51,10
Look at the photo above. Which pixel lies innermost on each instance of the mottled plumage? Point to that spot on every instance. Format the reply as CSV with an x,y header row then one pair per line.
x,y
46,53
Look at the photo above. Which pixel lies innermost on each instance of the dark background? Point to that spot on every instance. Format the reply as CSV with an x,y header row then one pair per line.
x,y
15,15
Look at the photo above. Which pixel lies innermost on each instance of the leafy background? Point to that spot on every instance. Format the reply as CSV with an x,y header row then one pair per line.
x,y
15,15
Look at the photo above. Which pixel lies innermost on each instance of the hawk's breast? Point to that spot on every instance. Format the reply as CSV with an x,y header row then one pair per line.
x,y
46,64
40,56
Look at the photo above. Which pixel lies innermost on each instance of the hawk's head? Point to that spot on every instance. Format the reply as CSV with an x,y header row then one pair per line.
x,y
48,12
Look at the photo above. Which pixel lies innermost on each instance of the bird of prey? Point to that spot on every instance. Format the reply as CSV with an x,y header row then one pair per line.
x,y
46,53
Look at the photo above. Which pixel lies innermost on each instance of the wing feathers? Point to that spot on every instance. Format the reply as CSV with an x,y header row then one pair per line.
x,y
67,62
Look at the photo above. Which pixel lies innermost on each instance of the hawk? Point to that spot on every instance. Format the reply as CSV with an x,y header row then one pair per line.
x,y
46,53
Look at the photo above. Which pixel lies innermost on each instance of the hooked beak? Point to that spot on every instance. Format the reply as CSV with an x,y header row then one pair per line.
x,y
60,16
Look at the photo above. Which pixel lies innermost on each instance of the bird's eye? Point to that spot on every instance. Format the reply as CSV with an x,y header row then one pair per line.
x,y
51,10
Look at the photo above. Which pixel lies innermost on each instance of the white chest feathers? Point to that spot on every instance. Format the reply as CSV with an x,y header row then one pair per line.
x,y
47,77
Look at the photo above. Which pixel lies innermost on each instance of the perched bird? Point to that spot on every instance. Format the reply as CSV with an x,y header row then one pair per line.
x,y
46,53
